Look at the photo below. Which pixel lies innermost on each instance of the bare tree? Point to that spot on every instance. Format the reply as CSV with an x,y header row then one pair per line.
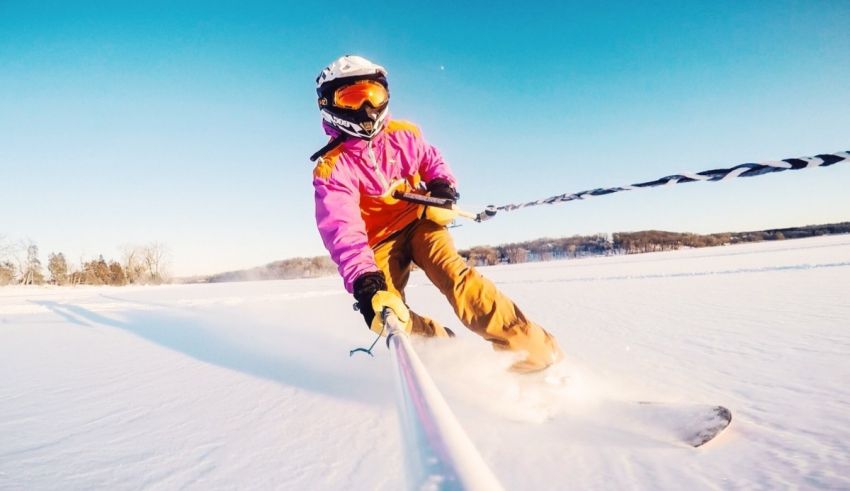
x,y
31,269
155,256
7,268
133,263
517,255
81,273
145,263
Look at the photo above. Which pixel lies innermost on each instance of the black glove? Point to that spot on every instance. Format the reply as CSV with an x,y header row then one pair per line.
x,y
365,287
440,188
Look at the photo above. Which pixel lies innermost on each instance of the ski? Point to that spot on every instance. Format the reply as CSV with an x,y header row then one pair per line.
x,y
695,425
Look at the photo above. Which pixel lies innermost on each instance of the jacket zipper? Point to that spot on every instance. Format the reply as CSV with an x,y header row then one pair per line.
x,y
385,185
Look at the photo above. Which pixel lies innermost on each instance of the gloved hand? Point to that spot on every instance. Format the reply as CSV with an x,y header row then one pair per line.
x,y
370,290
440,216
440,188
383,299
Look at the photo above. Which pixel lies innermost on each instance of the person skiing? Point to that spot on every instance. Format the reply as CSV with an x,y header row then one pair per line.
x,y
374,238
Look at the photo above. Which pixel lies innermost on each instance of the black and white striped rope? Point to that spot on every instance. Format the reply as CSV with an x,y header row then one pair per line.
x,y
740,170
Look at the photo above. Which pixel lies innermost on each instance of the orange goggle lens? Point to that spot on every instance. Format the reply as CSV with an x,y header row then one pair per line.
x,y
355,95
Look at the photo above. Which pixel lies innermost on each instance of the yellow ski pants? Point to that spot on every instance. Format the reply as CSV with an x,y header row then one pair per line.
x,y
479,305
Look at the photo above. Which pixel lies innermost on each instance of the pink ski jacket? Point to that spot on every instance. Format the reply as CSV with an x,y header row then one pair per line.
x,y
354,183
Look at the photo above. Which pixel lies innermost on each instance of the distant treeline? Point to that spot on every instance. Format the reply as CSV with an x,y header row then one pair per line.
x,y
632,243
300,267
549,249
20,264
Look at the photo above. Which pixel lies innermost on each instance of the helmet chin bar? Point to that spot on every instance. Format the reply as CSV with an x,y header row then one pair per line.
x,y
365,130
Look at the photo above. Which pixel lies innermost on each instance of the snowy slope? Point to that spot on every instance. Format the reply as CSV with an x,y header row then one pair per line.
x,y
249,385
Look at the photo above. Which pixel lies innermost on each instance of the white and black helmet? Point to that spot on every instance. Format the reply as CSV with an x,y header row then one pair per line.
x,y
364,122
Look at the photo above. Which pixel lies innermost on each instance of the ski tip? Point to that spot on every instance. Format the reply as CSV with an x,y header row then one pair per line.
x,y
715,422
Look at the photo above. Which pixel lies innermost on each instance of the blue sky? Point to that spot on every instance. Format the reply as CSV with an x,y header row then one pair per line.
x,y
190,123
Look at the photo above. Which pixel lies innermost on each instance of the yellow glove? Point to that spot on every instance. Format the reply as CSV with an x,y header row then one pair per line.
x,y
441,216
384,299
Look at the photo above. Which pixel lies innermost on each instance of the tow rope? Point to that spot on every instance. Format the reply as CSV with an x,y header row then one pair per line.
x,y
741,170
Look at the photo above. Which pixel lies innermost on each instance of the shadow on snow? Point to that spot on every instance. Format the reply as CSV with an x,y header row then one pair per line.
x,y
194,338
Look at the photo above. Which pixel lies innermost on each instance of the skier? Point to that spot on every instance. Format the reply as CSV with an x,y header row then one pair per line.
x,y
374,238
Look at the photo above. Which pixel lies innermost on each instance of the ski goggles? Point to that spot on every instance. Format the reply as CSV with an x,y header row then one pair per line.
x,y
353,96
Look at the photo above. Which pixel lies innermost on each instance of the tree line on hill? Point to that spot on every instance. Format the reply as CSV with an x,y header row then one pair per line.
x,y
299,267
632,243
20,264
549,249
141,264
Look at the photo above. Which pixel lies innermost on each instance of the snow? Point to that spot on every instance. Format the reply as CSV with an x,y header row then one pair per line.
x,y
249,385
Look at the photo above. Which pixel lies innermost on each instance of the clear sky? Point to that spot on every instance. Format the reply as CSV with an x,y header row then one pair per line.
x,y
191,123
